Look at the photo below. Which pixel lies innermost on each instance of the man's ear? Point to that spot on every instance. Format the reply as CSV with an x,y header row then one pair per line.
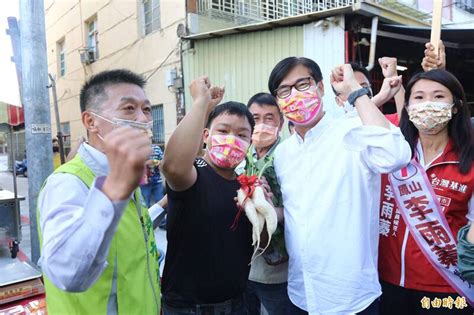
x,y
89,122
282,122
205,135
339,102
321,87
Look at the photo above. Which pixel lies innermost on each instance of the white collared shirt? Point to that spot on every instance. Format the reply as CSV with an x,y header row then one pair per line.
x,y
77,225
330,183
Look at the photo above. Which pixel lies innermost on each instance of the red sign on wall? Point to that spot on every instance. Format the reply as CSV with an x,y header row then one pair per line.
x,y
16,115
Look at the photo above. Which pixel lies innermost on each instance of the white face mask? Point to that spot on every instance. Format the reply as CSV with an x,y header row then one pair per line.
x,y
117,122
348,107
430,117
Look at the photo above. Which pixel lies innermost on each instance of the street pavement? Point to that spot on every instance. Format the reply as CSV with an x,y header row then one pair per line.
x,y
6,183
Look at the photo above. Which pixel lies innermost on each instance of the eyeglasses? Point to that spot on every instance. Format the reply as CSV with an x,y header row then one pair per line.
x,y
301,85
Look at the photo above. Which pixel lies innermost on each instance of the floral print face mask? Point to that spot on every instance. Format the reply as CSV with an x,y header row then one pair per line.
x,y
430,117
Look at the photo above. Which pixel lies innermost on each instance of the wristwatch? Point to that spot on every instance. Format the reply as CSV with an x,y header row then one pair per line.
x,y
356,94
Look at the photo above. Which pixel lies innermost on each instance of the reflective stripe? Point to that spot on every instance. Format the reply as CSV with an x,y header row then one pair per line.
x,y
112,308
402,258
103,297
138,206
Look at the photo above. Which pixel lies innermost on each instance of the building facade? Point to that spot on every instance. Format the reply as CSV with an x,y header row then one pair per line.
x,y
85,37
238,42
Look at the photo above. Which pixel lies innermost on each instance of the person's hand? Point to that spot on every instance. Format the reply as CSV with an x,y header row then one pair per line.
x,y
266,190
217,93
389,66
163,202
199,89
390,87
343,80
127,150
205,95
432,60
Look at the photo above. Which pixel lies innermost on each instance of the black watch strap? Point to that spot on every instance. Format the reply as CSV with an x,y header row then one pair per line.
x,y
356,94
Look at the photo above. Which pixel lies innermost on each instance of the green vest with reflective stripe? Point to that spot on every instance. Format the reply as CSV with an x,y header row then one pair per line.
x,y
133,256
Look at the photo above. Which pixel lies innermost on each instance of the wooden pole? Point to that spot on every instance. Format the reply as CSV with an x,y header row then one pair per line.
x,y
436,25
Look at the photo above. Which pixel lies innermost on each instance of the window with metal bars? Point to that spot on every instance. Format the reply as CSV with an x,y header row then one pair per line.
x,y
466,5
92,40
152,18
66,130
158,124
60,48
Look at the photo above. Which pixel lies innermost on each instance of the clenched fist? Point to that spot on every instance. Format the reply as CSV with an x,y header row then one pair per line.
x,y
205,95
343,80
389,66
127,150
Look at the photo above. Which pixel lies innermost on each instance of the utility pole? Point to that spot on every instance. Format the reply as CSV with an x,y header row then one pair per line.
x,y
58,121
36,105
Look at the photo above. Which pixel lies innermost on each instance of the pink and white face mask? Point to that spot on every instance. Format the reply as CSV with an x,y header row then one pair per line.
x,y
301,107
227,151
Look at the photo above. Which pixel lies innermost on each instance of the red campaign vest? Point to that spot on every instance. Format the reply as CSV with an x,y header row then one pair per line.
x,y
454,191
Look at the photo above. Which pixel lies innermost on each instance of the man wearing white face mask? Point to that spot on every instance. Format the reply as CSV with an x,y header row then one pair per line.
x,y
269,272
98,251
117,122
328,172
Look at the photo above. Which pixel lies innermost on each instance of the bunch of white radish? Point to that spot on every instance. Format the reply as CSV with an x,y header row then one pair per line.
x,y
261,213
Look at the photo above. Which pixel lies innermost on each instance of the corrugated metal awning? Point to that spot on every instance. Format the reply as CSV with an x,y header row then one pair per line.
x,y
385,14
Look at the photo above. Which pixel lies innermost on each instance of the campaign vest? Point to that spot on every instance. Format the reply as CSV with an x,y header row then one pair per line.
x,y
402,262
133,258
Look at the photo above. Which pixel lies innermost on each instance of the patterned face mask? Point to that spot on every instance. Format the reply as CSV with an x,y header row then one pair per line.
x,y
430,117
301,107
264,135
227,151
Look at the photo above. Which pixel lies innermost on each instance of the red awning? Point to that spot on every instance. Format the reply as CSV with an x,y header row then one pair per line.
x,y
16,115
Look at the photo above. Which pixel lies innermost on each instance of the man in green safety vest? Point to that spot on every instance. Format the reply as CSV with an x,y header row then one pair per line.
x,y
98,250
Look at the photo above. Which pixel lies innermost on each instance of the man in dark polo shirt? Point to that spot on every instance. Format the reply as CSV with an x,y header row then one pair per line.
x,y
207,262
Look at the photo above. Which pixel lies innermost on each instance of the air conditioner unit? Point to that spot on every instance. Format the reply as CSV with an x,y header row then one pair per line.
x,y
87,55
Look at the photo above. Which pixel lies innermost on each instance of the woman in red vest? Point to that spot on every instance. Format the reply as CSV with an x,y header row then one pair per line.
x,y
436,124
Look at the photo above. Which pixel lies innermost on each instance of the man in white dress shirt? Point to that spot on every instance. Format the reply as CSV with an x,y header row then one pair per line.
x,y
329,172
98,252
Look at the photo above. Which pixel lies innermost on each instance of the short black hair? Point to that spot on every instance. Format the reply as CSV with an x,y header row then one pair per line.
x,y
286,65
357,67
93,91
231,108
290,125
264,99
